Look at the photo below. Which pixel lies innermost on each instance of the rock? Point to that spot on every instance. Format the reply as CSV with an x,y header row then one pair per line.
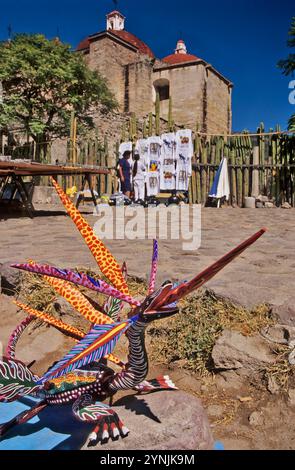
x,y
261,198
68,315
249,202
215,410
281,334
232,350
286,205
291,396
269,205
259,205
256,418
272,385
229,380
62,307
9,279
285,312
45,195
162,421
244,399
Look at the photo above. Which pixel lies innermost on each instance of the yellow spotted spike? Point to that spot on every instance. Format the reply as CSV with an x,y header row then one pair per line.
x,y
70,330
105,260
78,301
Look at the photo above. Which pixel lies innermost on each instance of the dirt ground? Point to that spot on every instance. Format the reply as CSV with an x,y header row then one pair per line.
x,y
265,273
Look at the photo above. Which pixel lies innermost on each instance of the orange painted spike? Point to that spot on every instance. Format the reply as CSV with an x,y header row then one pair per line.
x,y
75,298
78,301
105,260
70,330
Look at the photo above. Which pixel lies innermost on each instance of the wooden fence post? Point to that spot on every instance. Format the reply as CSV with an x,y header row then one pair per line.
x,y
255,173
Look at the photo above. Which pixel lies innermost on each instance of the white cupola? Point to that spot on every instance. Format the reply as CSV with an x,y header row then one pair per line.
x,y
115,21
180,47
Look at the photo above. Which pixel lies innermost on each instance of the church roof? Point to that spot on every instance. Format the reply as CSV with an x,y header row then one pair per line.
x,y
135,41
124,36
174,59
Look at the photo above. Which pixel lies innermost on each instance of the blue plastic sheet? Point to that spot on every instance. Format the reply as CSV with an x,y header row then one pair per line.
x,y
54,428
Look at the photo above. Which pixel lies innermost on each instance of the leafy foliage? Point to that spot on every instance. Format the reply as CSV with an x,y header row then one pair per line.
x,y
43,81
288,65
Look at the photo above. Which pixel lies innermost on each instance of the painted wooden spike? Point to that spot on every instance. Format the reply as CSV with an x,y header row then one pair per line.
x,y
105,260
63,327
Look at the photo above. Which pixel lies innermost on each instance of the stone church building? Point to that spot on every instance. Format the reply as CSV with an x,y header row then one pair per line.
x,y
199,92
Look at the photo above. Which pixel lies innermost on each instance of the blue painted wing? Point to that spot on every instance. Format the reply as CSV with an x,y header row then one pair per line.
x,y
99,342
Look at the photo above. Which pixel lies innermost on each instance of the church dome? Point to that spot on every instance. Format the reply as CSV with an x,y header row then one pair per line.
x,y
115,26
180,55
134,41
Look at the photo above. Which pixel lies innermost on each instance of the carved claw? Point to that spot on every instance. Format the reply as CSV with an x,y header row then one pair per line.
x,y
108,427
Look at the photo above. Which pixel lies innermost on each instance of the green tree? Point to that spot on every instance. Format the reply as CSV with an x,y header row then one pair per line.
x,y
43,81
288,65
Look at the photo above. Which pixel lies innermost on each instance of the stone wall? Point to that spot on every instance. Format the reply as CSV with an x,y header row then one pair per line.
x,y
186,91
140,87
198,95
109,58
218,104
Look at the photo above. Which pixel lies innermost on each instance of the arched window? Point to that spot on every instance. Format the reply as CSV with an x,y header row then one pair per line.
x,y
162,87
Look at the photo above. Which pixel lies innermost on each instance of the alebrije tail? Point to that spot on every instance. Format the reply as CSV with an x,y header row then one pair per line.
x,y
162,382
16,380
22,418
15,336
104,258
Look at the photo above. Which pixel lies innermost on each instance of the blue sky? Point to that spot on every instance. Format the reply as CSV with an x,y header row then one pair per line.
x,y
242,39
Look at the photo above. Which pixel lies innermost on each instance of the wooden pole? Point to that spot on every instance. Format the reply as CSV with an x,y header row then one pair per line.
x,y
170,115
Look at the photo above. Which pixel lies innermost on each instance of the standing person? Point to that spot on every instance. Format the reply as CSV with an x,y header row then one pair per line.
x,y
125,173
138,174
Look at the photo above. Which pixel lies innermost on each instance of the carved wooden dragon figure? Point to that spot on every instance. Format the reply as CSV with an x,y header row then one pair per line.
x,y
81,376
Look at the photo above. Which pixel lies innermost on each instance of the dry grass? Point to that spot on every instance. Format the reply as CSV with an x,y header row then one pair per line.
x,y
281,371
36,293
190,336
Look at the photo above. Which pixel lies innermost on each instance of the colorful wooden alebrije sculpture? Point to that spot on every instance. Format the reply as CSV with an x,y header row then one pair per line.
x,y
81,376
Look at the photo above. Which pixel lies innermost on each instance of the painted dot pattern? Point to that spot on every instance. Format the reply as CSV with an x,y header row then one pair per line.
x,y
105,260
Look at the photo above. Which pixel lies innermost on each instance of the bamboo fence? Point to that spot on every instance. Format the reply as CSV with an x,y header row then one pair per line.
x,y
261,163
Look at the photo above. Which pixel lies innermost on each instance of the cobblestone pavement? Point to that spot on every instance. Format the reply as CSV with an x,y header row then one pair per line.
x,y
264,273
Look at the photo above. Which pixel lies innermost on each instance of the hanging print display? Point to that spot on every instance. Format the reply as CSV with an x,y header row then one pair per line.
x,y
168,162
142,148
153,165
184,154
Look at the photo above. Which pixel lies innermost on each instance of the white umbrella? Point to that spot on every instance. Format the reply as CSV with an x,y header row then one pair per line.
x,y
220,187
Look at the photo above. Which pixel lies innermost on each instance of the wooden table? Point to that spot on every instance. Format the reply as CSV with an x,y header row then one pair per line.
x,y
14,172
